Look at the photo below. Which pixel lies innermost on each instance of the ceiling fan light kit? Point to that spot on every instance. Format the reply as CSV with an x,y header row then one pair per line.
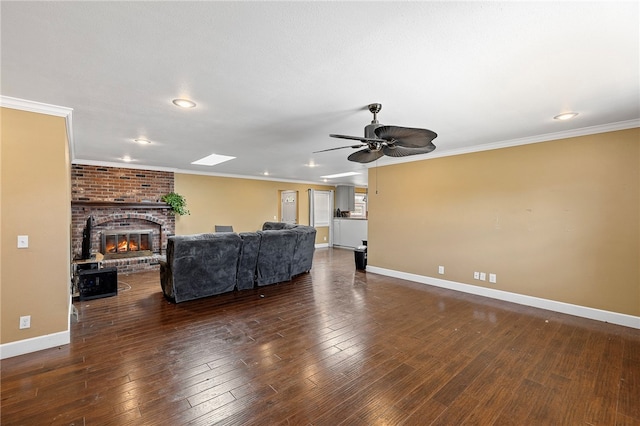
x,y
393,141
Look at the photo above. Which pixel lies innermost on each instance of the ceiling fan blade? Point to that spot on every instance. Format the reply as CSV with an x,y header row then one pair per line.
x,y
401,151
407,137
340,147
365,156
358,138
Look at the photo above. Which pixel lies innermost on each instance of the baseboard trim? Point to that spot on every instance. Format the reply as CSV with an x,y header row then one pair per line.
x,y
535,302
323,245
34,344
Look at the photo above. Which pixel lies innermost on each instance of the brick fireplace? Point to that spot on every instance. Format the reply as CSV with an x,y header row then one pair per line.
x,y
125,203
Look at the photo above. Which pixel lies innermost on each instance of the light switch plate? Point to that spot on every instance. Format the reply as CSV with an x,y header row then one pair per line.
x,y
23,241
483,276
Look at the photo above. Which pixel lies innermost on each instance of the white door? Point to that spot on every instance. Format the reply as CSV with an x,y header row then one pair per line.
x,y
289,207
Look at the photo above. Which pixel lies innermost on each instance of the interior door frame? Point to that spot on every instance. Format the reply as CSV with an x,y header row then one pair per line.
x,y
281,212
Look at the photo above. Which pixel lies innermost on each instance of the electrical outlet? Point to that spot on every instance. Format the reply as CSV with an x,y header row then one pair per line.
x,y
325,238
483,276
476,275
25,322
441,270
492,278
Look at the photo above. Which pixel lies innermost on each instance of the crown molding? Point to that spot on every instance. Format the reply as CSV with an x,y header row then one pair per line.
x,y
31,106
547,137
42,108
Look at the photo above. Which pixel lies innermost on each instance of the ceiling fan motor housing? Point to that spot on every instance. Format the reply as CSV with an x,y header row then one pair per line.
x,y
369,130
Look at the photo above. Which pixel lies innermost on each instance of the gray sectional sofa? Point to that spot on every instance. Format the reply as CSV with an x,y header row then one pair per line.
x,y
207,264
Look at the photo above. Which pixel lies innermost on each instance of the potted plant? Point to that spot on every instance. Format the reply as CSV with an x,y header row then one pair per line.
x,y
177,202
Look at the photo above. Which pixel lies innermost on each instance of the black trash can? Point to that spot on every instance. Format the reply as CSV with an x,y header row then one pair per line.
x,y
361,257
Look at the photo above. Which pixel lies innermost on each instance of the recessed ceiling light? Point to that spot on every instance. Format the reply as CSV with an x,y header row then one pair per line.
x,y
565,116
340,175
212,160
311,164
142,141
184,103
127,159
266,173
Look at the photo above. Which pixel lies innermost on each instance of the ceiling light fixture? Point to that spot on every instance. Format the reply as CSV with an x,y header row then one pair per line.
x,y
340,175
184,103
142,141
127,159
565,116
212,160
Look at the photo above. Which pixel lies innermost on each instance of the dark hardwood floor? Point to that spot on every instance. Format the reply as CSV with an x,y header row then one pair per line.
x,y
336,346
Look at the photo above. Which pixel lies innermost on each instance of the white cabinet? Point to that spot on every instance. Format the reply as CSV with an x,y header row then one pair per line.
x,y
349,232
345,198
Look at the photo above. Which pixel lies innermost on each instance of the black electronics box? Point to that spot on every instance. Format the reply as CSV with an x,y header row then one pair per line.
x,y
97,283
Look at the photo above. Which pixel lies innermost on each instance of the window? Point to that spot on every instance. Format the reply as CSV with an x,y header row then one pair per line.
x,y
360,206
320,208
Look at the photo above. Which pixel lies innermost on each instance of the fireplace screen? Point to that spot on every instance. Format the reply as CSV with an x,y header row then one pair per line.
x,y
127,243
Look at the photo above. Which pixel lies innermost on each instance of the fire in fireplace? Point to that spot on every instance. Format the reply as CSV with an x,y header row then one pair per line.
x,y
116,244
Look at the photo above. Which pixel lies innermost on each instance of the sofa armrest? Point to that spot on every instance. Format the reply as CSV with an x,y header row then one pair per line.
x,y
201,265
248,260
305,248
275,256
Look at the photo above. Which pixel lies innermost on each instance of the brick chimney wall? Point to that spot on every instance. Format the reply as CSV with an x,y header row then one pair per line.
x,y
98,183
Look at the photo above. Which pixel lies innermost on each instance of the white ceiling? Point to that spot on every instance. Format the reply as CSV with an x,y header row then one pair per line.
x,y
272,79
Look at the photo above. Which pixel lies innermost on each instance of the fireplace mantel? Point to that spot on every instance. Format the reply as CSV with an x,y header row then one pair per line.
x,y
119,204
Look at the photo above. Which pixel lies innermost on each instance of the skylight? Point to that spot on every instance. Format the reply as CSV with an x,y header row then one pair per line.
x,y
340,175
212,160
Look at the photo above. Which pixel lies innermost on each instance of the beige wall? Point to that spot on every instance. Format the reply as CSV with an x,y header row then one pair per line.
x,y
36,201
243,203
558,220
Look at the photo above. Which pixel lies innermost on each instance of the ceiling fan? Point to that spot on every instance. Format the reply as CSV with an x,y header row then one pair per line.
x,y
382,140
